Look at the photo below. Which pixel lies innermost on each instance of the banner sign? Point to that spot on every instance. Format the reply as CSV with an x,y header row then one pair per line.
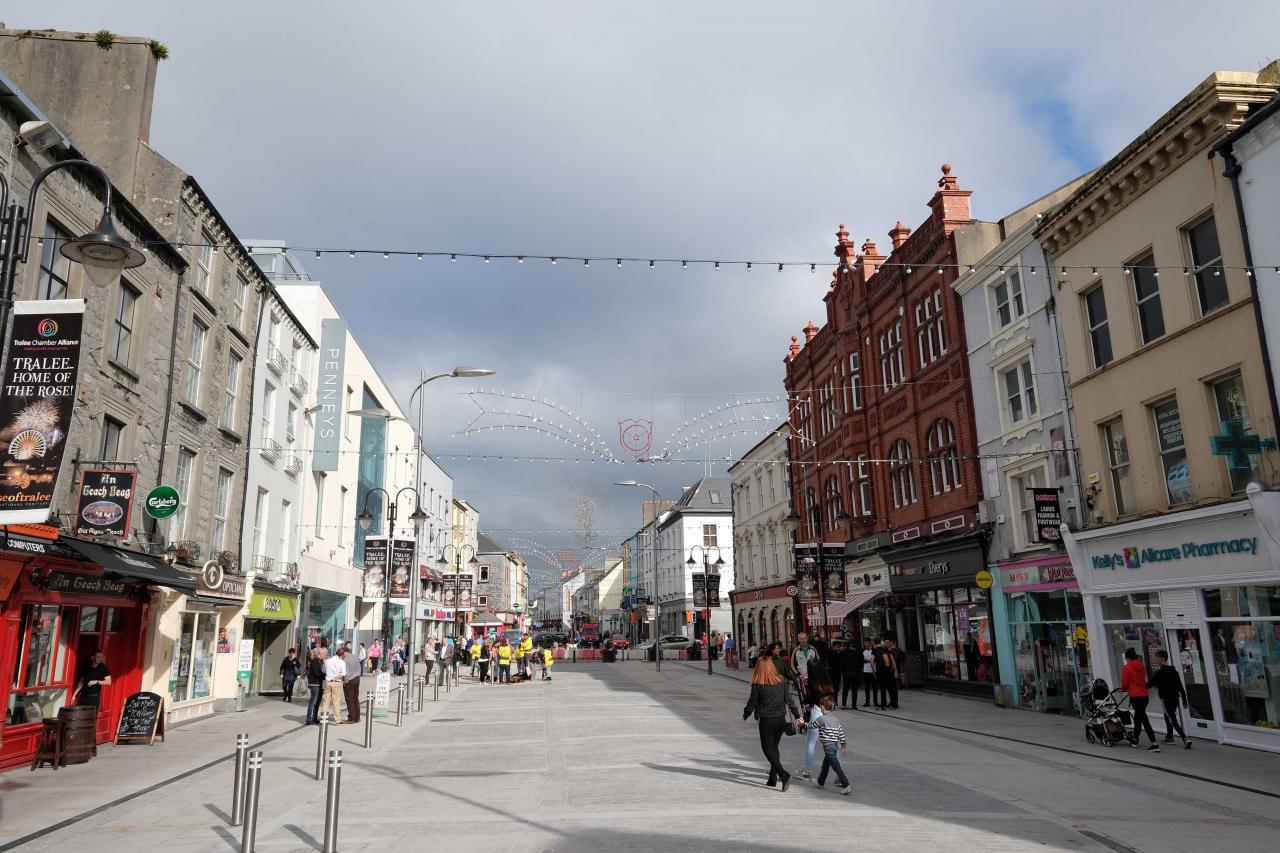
x,y
1048,514
464,585
105,505
807,572
401,567
706,590
833,586
329,420
375,567
820,572
36,402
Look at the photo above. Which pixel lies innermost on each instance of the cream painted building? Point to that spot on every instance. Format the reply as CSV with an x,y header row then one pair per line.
x,y
1164,365
761,539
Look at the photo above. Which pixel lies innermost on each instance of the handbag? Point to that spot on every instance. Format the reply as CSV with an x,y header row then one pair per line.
x,y
789,728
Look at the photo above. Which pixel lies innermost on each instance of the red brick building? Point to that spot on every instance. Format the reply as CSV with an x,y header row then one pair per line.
x,y
883,431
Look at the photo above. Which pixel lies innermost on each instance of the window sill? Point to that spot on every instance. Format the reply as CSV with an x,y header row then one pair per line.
x,y
120,368
235,330
231,434
206,301
194,410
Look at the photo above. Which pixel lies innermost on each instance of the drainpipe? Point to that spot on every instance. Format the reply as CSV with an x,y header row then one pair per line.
x,y
263,293
168,394
1232,173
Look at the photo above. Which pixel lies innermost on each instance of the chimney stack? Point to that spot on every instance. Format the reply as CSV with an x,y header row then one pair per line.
x,y
899,234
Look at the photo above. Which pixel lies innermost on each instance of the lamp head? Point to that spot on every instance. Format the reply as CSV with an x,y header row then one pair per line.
x,y
471,372
103,253
365,519
719,561
442,562
691,561
418,518
371,413
626,483
473,562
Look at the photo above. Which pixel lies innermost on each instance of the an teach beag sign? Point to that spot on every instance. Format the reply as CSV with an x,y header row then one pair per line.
x,y
36,402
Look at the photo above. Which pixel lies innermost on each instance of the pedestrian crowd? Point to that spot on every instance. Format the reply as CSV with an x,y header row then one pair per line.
x,y
501,661
796,692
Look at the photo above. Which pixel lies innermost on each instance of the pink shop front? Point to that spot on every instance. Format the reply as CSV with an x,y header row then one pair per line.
x,y
1042,640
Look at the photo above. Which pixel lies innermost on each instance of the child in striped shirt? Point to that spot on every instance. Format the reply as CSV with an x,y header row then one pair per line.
x,y
831,735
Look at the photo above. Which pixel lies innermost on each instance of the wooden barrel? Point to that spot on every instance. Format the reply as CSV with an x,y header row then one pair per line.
x,y
79,732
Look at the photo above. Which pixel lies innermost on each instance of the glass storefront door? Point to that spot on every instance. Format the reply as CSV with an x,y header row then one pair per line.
x,y
1187,657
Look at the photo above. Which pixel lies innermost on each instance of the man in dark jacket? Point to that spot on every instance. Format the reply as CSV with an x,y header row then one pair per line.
x,y
289,669
315,683
1169,684
849,662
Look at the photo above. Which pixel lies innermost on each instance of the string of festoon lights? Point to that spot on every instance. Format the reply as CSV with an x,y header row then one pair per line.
x,y
620,261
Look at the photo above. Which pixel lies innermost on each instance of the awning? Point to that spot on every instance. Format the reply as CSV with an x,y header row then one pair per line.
x,y
214,601
131,564
838,610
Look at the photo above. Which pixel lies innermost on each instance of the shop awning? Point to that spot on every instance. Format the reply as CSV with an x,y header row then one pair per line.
x,y
486,620
838,611
131,564
214,601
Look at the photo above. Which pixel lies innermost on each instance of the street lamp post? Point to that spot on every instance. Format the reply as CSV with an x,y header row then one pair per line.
x,y
457,579
103,252
706,588
418,518
459,372
657,506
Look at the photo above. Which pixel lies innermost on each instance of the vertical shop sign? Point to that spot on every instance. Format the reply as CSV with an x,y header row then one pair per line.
x,y
36,402
330,418
1048,514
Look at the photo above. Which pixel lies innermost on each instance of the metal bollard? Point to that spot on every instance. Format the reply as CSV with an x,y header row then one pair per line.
x,y
322,743
399,705
422,682
237,784
368,722
249,834
331,802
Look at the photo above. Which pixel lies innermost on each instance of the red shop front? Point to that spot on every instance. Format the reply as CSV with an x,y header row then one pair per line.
x,y
62,600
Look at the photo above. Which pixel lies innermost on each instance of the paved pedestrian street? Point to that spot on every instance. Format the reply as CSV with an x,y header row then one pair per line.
x,y
620,758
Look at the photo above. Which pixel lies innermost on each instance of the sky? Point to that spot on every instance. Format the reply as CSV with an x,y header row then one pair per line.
x,y
734,130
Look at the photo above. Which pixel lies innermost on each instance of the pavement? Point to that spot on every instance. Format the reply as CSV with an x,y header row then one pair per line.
x,y
620,757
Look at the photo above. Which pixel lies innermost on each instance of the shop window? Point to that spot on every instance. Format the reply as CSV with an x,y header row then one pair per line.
x,y
1146,298
191,675
1145,638
41,671
1118,464
1135,605
1206,256
1245,658
1229,400
957,635
1247,601
944,458
1173,453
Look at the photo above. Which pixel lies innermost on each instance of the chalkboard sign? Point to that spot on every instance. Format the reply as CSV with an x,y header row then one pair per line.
x,y
142,718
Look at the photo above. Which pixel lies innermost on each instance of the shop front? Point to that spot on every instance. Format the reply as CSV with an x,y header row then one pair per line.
x,y
62,600
761,615
324,616
867,579
268,628
941,615
1201,586
1041,635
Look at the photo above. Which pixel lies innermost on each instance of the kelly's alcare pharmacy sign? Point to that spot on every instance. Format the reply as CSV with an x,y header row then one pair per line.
x,y
36,402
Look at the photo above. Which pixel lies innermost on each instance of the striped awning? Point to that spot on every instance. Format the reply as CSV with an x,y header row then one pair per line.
x,y
838,610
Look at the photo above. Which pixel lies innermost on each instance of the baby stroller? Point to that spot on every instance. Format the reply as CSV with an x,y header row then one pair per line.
x,y
1107,717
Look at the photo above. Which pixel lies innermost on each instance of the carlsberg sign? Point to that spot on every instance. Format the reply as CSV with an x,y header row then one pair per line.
x,y
162,502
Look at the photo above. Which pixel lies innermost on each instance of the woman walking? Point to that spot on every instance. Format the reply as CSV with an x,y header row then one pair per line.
x,y
315,683
771,703
1133,680
375,655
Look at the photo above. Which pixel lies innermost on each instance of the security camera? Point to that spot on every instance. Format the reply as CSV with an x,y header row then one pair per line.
x,y
41,135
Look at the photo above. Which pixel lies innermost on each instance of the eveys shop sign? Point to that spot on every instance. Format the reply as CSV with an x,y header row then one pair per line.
x,y
1185,548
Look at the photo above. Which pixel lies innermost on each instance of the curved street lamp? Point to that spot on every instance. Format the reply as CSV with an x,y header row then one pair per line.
x,y
443,563
419,518
102,252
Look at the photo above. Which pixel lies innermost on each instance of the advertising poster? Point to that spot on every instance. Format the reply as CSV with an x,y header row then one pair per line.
x,y
375,567
36,402
401,567
833,574
105,505
458,591
1048,515
244,661
807,573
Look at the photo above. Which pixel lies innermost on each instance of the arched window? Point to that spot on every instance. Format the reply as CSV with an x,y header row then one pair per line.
x,y
813,513
944,459
902,474
833,502
788,626
773,625
764,629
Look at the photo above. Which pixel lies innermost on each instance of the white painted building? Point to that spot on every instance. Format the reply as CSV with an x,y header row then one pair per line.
x,y
701,519
761,539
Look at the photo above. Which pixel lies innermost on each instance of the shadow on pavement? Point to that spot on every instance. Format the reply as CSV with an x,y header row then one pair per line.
x,y
304,835
218,813
721,775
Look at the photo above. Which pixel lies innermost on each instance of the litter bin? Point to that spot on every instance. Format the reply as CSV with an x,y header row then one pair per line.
x,y
695,652
652,654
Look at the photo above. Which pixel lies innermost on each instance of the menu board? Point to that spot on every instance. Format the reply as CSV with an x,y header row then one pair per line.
x,y
142,718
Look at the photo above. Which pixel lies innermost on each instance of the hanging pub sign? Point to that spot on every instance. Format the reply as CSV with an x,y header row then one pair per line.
x,y
105,504
375,567
401,567
36,402
1048,512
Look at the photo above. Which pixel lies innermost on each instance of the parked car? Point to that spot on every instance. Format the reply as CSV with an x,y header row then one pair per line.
x,y
679,642
620,641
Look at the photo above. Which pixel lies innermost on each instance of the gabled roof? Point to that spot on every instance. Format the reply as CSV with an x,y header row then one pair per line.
x,y
486,544
708,495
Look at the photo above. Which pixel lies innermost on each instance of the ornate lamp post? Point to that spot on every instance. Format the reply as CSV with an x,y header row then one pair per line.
x,y
706,588
443,562
418,518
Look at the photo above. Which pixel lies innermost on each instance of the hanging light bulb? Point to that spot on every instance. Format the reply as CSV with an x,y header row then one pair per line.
x,y
586,262
453,258
908,269
650,264
1095,270
351,254
386,255
317,254
519,259
553,261
1033,270
619,262
813,267
939,269
717,265
486,259
779,267
684,265
1155,272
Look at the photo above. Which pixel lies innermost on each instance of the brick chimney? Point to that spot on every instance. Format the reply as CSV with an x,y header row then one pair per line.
x,y
870,259
810,332
899,234
950,203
